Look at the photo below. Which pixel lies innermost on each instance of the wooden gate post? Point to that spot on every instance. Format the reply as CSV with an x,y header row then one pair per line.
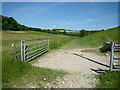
x,y
13,53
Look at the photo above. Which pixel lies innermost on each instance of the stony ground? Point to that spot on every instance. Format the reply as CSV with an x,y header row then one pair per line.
x,y
82,65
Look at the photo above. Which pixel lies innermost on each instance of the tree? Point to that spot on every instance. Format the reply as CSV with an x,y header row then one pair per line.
x,y
83,33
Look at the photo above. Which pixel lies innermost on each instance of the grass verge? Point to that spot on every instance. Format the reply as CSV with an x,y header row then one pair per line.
x,y
109,80
23,75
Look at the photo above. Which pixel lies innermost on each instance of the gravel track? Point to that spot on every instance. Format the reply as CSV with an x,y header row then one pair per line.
x,y
82,66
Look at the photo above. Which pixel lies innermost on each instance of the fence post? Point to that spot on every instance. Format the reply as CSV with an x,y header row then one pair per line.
x,y
111,56
22,50
48,43
58,41
13,53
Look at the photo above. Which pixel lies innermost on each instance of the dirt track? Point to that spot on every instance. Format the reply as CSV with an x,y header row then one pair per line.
x,y
81,65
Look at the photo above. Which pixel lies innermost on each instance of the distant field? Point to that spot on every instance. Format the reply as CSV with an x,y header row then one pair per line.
x,y
18,35
9,37
70,31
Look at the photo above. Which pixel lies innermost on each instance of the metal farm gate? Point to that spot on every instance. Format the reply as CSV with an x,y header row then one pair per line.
x,y
114,49
115,57
30,48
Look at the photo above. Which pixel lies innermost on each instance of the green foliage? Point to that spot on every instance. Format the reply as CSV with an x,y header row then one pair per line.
x,y
106,47
83,33
109,80
55,31
9,23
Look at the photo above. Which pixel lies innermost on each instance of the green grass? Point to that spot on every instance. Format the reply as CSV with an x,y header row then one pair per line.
x,y
9,37
18,73
21,74
94,40
13,72
0,69
109,80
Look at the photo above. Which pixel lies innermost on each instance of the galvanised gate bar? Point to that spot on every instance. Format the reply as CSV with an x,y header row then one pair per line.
x,y
115,57
32,48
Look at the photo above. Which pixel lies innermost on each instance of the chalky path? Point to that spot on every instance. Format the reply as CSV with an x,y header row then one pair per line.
x,y
82,66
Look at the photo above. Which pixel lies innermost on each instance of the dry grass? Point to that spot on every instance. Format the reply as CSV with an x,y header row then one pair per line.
x,y
89,50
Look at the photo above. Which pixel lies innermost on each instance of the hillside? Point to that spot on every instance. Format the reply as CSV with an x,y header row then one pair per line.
x,y
110,35
95,39
9,23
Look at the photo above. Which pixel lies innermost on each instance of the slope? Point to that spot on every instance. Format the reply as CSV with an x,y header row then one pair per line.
x,y
95,39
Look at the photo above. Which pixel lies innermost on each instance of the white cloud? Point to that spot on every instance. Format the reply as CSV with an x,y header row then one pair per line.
x,y
60,0
54,26
90,20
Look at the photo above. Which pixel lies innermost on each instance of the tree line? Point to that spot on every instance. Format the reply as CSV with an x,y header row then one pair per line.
x,y
9,23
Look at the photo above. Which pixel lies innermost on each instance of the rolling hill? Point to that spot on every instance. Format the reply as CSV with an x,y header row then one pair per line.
x,y
95,39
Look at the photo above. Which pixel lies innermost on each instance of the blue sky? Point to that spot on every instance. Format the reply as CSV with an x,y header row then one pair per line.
x,y
64,15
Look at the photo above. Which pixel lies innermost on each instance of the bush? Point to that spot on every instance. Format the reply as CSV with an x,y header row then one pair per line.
x,y
106,47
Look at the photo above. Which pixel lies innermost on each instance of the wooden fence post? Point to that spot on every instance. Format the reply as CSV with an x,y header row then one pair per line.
x,y
48,43
13,53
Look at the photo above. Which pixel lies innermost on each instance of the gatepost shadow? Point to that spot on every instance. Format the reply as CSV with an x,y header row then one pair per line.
x,y
96,70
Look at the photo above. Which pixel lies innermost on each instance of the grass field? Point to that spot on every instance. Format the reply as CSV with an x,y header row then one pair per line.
x,y
15,72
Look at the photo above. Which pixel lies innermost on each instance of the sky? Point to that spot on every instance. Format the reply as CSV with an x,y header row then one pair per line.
x,y
64,15
60,0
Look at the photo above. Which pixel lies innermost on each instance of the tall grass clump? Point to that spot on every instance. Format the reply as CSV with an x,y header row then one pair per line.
x,y
109,80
